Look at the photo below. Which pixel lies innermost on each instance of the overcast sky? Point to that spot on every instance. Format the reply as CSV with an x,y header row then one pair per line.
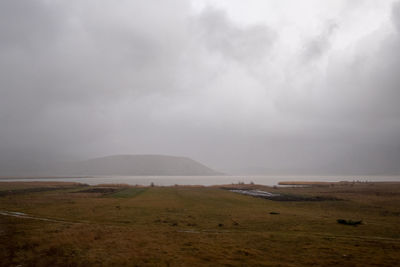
x,y
238,85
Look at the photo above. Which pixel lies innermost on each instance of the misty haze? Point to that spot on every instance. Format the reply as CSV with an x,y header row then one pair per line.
x,y
258,88
213,123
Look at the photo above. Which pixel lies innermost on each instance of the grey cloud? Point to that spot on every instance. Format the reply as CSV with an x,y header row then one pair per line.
x,y
246,44
317,46
28,23
63,91
367,84
396,15
91,78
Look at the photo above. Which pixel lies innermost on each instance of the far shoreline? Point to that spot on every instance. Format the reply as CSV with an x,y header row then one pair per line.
x,y
160,180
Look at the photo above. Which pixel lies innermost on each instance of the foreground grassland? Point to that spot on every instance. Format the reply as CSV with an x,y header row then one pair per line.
x,y
74,225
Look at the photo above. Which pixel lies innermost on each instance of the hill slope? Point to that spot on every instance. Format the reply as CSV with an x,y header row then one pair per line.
x,y
138,165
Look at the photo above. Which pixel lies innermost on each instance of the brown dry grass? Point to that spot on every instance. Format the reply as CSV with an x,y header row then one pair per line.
x,y
26,185
202,226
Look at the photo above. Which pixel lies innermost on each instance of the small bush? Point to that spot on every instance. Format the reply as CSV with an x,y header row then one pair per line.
x,y
349,222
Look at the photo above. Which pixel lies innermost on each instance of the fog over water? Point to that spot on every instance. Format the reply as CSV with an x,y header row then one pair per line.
x,y
256,87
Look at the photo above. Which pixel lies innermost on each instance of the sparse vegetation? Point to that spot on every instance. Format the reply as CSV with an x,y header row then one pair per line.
x,y
199,226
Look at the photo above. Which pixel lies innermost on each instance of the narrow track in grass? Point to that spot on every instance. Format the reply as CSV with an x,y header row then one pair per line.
x,y
27,216
203,231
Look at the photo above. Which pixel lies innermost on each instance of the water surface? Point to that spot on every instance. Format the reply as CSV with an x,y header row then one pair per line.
x,y
205,180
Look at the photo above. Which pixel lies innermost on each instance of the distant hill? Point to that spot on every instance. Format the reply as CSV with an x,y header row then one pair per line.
x,y
137,165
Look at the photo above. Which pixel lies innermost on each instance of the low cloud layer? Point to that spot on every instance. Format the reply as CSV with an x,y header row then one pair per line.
x,y
315,94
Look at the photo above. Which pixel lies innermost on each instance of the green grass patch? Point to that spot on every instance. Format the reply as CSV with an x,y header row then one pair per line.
x,y
128,193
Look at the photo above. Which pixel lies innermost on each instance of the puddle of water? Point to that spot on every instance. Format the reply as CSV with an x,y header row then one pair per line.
x,y
13,213
26,216
254,193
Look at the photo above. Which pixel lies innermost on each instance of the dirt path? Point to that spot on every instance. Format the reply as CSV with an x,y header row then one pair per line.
x,y
26,216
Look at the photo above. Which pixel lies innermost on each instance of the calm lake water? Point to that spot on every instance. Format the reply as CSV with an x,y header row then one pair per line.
x,y
205,180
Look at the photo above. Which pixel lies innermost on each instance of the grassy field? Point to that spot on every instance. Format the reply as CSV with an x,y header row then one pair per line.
x,y
68,224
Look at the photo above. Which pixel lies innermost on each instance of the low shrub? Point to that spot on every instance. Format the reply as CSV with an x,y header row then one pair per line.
x,y
349,222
